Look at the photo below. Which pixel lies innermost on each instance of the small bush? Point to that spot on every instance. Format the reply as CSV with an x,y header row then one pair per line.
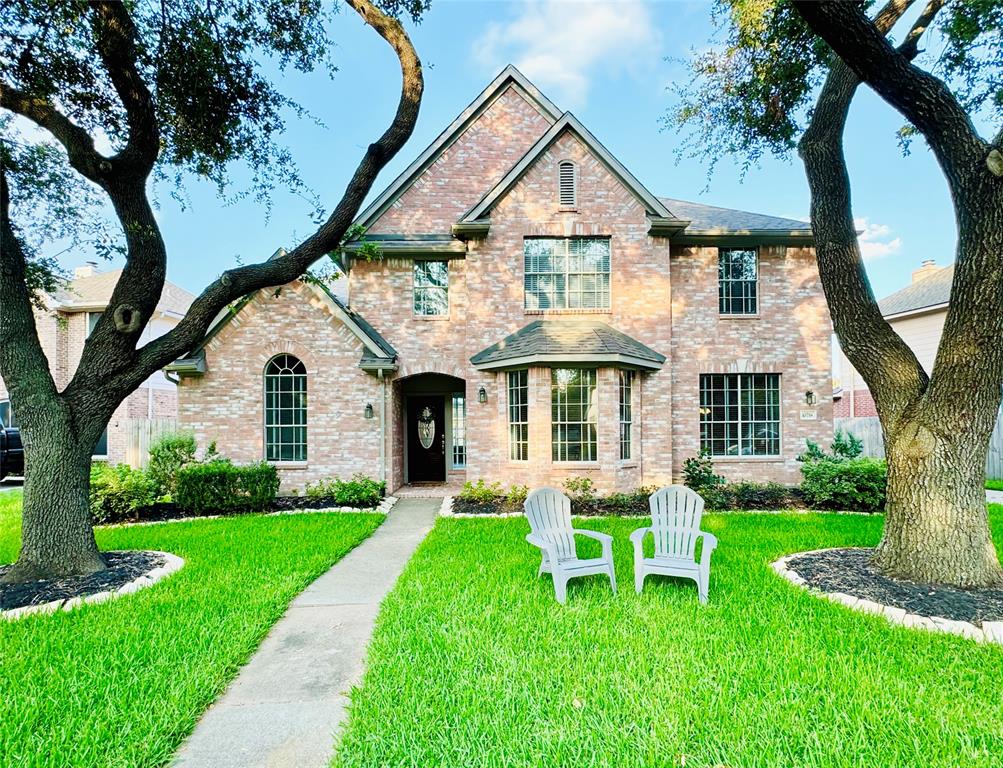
x,y
220,486
698,473
169,454
581,489
480,492
856,485
517,495
117,492
844,446
360,491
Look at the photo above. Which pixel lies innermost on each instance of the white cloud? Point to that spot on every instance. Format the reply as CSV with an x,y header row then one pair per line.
x,y
876,241
559,44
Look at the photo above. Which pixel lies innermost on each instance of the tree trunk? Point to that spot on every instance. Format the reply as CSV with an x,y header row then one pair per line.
x,y
936,524
56,535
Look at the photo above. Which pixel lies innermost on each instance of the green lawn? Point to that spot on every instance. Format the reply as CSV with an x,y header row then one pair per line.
x,y
994,485
122,683
473,663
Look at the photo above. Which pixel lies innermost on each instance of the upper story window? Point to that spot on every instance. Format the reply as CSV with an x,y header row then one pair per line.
x,y
92,322
738,280
285,409
431,288
568,184
574,419
567,272
740,414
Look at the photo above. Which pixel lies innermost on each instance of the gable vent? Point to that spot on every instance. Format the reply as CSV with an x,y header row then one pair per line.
x,y
567,182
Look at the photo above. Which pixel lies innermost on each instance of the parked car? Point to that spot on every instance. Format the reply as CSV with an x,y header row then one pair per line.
x,y
11,449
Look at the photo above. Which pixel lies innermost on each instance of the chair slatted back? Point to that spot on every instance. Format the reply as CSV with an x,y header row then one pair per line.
x,y
549,514
675,520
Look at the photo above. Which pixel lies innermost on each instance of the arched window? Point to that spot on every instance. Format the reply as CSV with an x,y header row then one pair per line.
x,y
285,409
568,184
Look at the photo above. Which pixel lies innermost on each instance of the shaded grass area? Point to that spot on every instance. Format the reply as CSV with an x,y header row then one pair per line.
x,y
994,485
123,683
473,663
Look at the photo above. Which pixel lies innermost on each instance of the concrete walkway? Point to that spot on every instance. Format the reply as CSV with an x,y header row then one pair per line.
x,y
994,497
285,707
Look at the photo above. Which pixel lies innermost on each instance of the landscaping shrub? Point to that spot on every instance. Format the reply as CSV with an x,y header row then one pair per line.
x,y
117,492
480,492
169,454
580,489
698,472
360,491
220,486
856,485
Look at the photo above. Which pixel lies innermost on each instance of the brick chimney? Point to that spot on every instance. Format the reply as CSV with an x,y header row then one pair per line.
x,y
928,267
88,269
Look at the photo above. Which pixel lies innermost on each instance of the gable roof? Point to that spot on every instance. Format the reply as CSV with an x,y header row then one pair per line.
x,y
569,123
712,217
934,290
545,342
508,77
93,292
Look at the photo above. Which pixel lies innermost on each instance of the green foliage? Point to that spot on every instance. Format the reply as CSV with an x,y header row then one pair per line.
x,y
698,472
517,495
169,454
221,487
134,674
582,490
360,491
748,495
480,492
856,485
844,446
117,492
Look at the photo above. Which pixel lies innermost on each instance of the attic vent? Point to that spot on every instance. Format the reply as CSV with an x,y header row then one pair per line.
x,y
567,182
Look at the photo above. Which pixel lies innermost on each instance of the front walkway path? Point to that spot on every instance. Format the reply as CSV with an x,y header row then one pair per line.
x,y
286,705
994,497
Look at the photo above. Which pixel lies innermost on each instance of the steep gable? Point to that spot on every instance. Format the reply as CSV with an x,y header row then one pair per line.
x,y
465,160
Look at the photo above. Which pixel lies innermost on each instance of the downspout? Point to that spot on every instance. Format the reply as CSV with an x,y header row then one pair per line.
x,y
383,427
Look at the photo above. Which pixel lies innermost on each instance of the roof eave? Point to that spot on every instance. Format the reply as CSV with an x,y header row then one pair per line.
x,y
553,360
378,365
928,309
660,226
472,230
446,246
802,237
193,365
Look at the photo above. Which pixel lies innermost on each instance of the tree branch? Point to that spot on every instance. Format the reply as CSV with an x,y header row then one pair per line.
x,y
924,100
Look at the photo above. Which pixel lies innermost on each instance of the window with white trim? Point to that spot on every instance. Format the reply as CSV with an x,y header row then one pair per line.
x,y
738,281
568,184
518,415
574,418
431,288
285,409
92,322
459,429
567,272
626,413
740,414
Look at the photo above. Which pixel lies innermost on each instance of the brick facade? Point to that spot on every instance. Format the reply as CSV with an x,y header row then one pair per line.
x,y
662,294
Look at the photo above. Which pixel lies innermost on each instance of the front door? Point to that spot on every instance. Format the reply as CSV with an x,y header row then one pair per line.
x,y
426,439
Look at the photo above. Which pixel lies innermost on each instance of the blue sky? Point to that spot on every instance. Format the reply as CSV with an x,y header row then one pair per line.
x,y
608,62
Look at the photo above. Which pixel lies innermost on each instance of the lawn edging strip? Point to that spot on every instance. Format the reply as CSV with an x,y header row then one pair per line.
x,y
990,631
172,564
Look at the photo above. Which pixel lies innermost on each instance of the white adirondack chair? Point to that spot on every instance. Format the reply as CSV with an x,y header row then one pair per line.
x,y
675,526
549,514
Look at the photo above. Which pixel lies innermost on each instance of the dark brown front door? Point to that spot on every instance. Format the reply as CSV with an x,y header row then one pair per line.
x,y
426,439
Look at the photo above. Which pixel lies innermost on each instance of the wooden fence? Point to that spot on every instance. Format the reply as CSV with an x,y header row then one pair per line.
x,y
868,430
140,434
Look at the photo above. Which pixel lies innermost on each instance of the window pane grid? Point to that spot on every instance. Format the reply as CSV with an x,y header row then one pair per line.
x,y
431,288
738,274
285,409
626,413
574,420
740,414
459,432
567,273
518,415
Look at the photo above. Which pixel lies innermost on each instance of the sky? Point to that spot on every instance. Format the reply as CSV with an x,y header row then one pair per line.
x,y
612,63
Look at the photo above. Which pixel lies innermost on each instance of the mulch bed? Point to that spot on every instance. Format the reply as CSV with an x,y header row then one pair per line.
x,y
123,567
850,571
162,511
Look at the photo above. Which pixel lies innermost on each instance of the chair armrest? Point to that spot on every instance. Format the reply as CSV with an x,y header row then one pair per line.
x,y
637,537
603,537
538,541
709,544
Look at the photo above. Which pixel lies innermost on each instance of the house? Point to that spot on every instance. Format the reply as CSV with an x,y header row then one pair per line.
x,y
917,313
69,316
535,313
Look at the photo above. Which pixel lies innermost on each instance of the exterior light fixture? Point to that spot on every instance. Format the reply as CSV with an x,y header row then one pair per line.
x,y
482,395
809,397
368,412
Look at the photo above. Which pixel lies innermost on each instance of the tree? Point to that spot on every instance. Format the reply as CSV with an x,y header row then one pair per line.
x,y
778,85
177,88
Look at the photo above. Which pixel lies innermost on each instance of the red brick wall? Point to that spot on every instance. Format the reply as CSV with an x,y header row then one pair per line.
x,y
862,404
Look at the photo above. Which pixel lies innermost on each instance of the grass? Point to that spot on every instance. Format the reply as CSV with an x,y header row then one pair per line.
x,y
123,683
994,485
473,663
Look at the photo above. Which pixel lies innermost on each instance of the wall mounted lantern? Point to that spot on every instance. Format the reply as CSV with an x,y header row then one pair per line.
x,y
368,412
482,395
809,397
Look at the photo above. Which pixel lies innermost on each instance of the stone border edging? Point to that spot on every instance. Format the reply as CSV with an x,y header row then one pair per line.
x,y
172,564
990,631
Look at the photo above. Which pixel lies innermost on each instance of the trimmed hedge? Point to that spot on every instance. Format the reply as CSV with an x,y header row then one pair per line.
x,y
117,493
856,485
361,491
219,486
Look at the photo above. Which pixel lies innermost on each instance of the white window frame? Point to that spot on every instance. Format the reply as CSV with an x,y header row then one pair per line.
x,y
745,382
588,424
458,430
560,276
422,286
625,392
269,411
727,286
517,404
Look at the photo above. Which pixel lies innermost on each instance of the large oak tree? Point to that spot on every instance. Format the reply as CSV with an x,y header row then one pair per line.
x,y
176,88
777,85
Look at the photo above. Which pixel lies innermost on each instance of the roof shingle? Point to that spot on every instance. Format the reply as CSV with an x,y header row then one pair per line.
x,y
711,217
929,291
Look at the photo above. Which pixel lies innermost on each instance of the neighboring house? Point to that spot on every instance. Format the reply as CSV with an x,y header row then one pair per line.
x,y
536,314
63,328
917,313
